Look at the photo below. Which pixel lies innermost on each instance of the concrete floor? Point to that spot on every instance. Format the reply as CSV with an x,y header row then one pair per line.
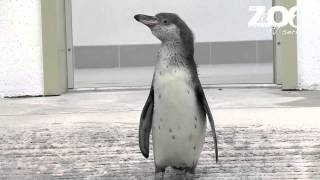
x,y
262,133
142,76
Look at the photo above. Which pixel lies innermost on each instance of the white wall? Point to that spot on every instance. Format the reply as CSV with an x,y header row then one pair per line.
x,y
309,44
110,22
21,48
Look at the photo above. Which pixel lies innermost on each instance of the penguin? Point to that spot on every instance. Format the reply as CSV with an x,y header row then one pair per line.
x,y
176,108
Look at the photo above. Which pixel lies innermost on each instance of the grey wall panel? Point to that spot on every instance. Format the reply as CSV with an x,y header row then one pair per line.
x,y
265,51
233,52
202,53
242,52
145,55
138,55
96,56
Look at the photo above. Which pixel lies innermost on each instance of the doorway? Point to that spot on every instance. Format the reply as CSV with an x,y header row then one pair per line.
x,y
111,50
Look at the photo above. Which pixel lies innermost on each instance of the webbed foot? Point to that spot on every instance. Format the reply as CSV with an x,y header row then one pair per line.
x,y
159,174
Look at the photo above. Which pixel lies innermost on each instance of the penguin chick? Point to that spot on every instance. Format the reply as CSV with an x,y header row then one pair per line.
x,y
176,108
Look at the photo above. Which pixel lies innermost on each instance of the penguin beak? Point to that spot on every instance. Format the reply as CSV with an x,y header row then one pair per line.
x,y
149,21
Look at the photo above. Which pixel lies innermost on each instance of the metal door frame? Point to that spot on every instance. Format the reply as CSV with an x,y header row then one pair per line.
x,y
283,75
70,48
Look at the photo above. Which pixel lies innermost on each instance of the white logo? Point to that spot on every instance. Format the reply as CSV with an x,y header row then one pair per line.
x,y
264,18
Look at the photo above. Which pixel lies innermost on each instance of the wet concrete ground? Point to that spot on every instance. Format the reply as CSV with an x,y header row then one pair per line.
x,y
262,133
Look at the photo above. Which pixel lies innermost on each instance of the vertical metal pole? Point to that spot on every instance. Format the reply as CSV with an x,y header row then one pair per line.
x,y
276,78
70,49
274,40
275,73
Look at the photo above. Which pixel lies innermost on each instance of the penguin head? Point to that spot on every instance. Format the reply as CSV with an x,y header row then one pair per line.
x,y
167,27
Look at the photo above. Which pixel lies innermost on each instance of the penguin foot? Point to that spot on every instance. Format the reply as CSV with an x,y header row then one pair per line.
x,y
159,175
189,176
189,173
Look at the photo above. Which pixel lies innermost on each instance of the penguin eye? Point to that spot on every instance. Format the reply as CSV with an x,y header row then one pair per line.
x,y
165,21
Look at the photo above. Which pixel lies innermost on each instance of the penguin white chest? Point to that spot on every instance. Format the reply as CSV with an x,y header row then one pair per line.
x,y
178,123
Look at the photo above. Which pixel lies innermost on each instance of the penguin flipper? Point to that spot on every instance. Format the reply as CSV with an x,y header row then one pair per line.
x,y
146,124
203,101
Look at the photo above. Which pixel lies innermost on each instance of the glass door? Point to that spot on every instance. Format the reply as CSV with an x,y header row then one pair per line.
x,y
112,50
